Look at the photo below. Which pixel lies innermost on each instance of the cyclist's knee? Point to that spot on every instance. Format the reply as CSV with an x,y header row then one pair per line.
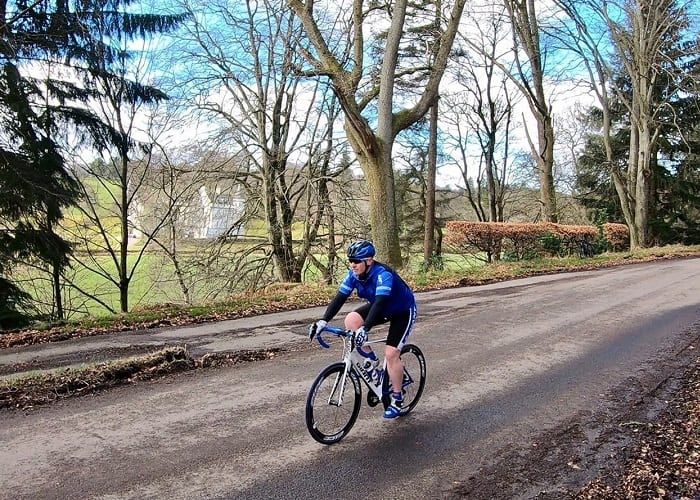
x,y
353,321
392,354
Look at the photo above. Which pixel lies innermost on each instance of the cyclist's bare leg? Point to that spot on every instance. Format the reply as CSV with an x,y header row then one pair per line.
x,y
394,366
353,321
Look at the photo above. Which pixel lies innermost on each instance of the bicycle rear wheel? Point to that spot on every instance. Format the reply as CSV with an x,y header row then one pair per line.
x,y
414,372
330,413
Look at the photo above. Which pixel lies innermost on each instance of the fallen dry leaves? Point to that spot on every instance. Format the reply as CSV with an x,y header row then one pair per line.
x,y
665,463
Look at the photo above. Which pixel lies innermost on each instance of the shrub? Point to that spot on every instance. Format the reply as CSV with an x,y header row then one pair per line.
x,y
617,236
551,243
475,237
520,241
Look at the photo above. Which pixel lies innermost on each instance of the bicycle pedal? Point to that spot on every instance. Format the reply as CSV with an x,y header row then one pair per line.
x,y
372,399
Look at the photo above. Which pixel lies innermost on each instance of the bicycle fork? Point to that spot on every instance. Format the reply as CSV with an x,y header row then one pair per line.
x,y
336,396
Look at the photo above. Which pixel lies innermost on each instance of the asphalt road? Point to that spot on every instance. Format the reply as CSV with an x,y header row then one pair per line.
x,y
511,367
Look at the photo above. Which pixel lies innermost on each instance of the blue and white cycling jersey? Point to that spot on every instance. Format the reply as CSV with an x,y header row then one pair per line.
x,y
381,281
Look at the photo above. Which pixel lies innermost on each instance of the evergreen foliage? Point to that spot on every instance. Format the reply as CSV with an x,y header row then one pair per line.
x,y
50,54
675,164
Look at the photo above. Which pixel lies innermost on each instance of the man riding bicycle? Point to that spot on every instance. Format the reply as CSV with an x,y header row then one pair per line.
x,y
389,299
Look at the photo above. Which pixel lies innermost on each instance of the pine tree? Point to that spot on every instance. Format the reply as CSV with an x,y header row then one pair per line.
x,y
37,104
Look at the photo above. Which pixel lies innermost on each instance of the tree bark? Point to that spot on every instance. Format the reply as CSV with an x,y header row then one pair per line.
x,y
429,240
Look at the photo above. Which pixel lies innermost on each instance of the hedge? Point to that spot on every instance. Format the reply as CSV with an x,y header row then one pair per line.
x,y
522,240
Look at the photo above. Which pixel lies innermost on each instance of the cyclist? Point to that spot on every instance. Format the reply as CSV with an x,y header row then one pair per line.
x,y
389,299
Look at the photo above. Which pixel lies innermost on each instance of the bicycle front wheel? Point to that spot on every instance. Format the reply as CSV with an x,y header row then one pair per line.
x,y
414,372
333,404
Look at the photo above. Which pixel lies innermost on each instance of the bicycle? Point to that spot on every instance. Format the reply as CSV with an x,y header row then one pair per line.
x,y
333,402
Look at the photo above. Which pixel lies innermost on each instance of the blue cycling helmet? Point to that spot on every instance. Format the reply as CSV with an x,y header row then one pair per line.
x,y
361,250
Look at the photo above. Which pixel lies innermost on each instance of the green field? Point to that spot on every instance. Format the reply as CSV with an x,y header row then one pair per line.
x,y
154,282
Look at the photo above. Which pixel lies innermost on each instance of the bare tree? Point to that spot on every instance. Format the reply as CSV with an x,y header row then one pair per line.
x,y
642,34
110,184
339,51
531,81
189,192
243,68
581,38
103,227
528,72
487,106
641,39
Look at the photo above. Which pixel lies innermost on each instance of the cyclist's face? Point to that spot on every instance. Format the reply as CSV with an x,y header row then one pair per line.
x,y
358,266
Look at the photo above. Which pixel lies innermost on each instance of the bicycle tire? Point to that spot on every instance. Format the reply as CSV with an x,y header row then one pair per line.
x,y
414,373
327,422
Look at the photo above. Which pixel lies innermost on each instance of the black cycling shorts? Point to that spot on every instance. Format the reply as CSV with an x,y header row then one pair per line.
x,y
400,324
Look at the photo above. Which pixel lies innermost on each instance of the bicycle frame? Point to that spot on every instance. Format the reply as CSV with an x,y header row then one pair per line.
x,y
353,361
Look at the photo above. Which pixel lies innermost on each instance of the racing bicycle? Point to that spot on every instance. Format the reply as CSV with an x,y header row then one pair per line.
x,y
335,397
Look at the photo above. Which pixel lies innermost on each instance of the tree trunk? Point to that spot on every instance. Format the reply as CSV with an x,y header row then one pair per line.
x,y
377,166
278,235
58,296
382,200
429,239
172,251
124,232
642,193
548,193
490,172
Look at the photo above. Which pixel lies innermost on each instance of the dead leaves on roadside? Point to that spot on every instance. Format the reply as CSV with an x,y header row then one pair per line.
x,y
666,461
217,359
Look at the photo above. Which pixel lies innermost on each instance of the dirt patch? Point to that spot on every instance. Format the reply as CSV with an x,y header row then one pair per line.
x,y
92,356
43,388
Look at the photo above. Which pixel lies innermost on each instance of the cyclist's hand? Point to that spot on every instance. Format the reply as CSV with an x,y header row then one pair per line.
x,y
315,328
360,337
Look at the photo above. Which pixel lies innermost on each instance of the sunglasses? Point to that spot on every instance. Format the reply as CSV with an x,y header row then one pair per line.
x,y
355,261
